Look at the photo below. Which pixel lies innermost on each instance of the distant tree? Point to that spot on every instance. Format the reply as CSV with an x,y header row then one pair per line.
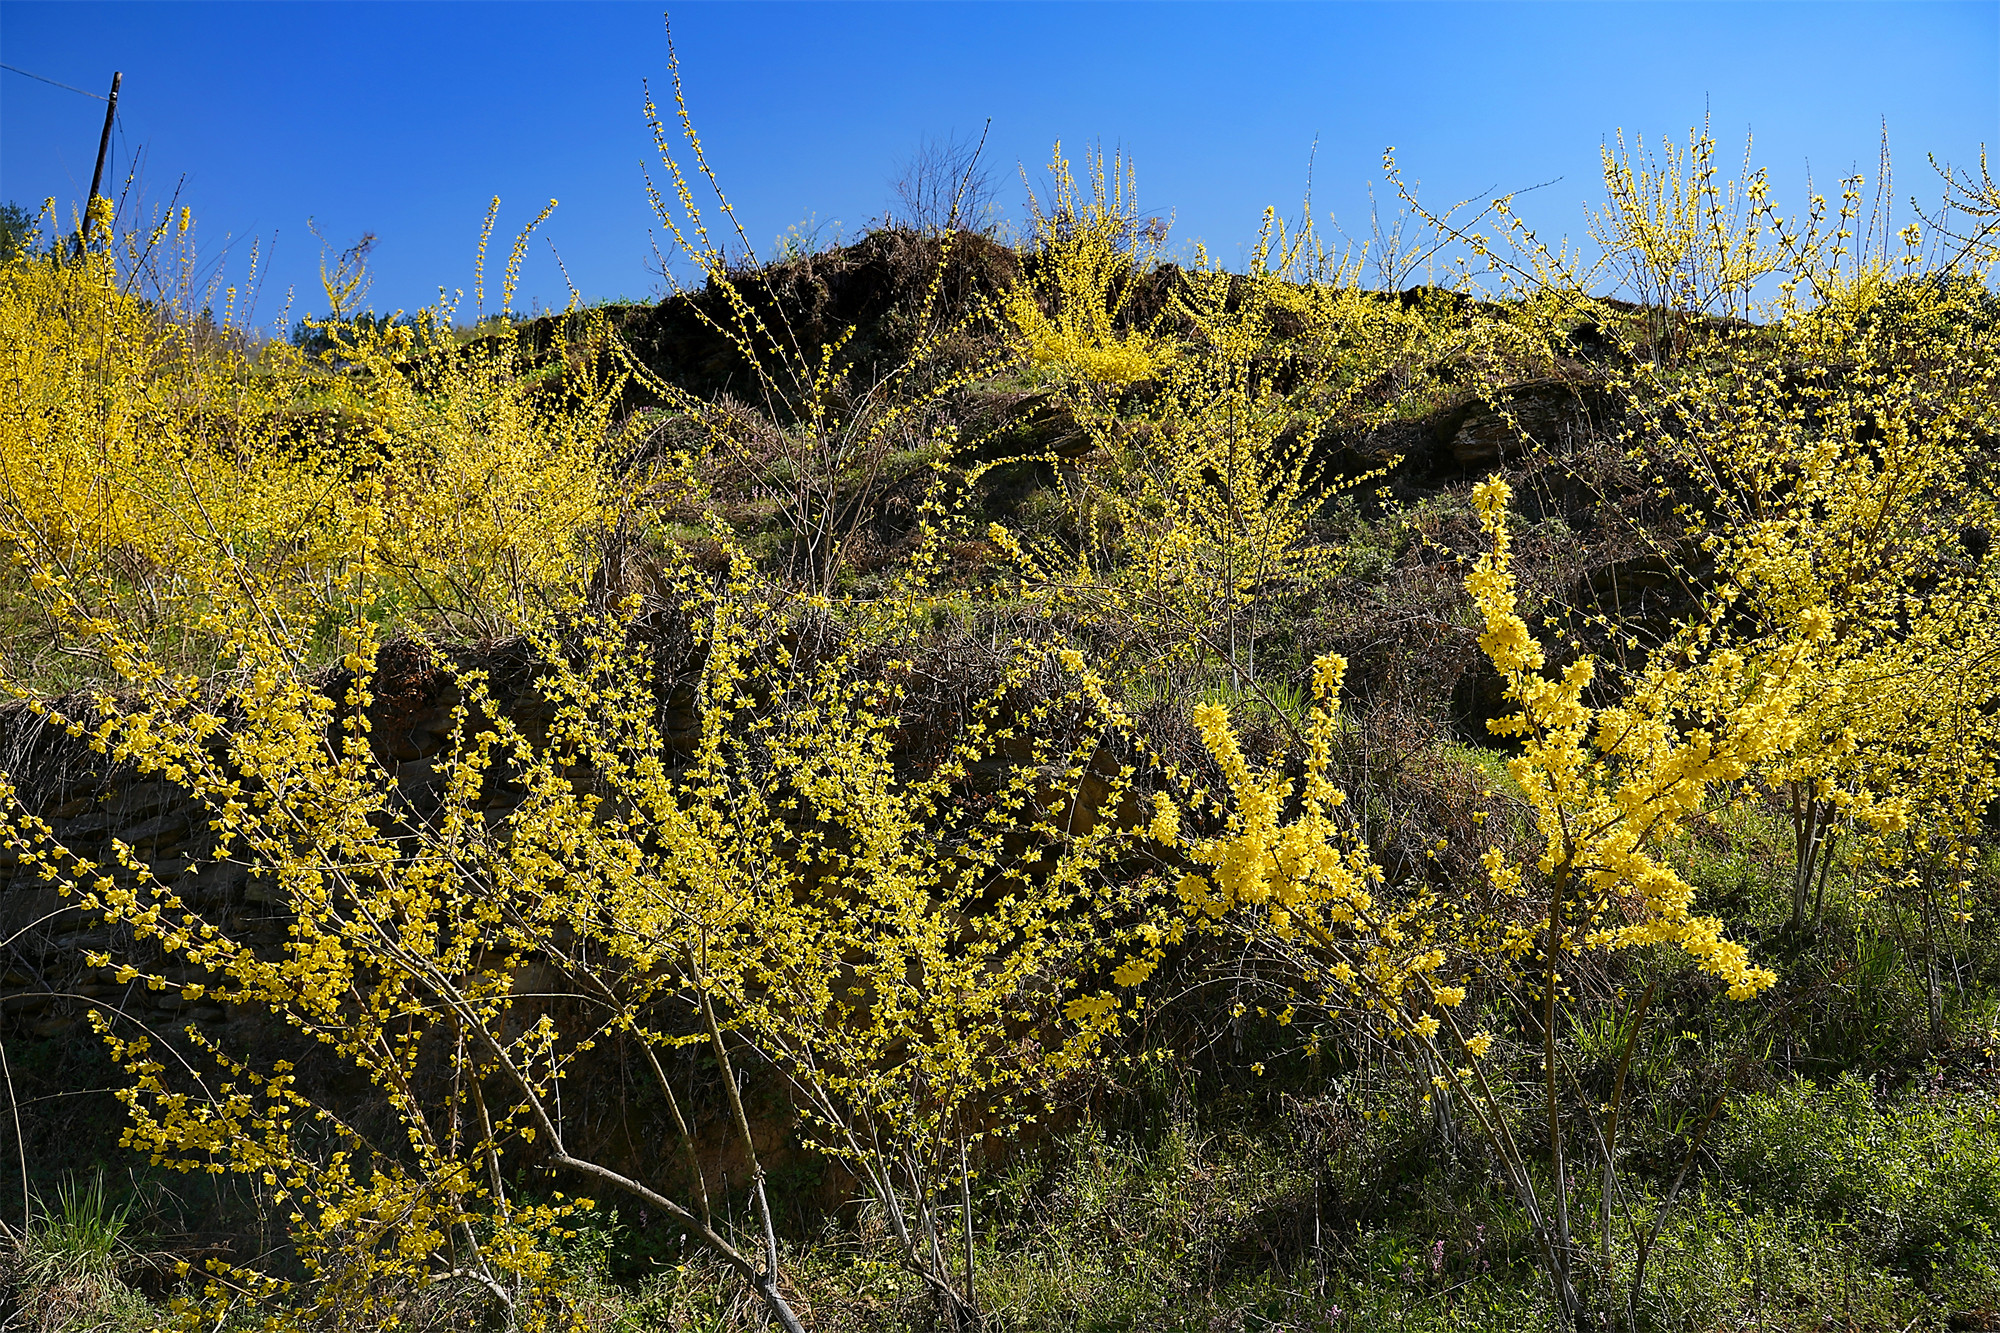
x,y
314,336
943,186
346,280
18,231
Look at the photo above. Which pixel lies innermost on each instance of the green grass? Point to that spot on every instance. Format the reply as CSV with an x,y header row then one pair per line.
x,y
66,1274
1188,1230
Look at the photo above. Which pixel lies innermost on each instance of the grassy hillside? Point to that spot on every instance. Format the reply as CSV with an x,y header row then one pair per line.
x,y
934,784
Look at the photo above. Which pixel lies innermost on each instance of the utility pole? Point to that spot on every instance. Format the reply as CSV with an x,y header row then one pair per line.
x,y
103,143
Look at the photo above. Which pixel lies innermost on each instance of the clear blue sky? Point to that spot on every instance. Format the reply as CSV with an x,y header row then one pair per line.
x,y
403,119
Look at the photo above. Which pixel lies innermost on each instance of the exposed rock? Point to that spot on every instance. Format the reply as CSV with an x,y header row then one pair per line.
x,y
1530,415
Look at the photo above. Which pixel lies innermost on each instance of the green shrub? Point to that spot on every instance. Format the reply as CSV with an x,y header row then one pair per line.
x,y
1917,1177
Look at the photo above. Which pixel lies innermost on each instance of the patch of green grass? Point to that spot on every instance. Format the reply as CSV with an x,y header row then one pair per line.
x,y
1829,1210
1720,1264
66,1274
1272,698
1490,765
1739,859
1914,1177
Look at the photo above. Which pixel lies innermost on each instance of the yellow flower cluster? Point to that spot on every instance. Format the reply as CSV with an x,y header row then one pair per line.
x,y
1607,785
1091,251
158,470
1285,859
1846,511
1193,510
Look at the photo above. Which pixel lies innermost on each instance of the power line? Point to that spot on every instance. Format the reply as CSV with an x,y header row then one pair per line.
x,y
18,70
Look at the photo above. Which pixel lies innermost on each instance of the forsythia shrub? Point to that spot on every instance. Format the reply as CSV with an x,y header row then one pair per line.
x,y
1193,510
898,947
899,944
1606,785
162,468
1090,254
830,428
1847,488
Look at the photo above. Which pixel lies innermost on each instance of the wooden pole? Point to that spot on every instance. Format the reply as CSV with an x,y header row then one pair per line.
x,y
103,144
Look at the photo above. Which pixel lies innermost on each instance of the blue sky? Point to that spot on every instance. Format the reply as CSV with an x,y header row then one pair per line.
x,y
403,119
